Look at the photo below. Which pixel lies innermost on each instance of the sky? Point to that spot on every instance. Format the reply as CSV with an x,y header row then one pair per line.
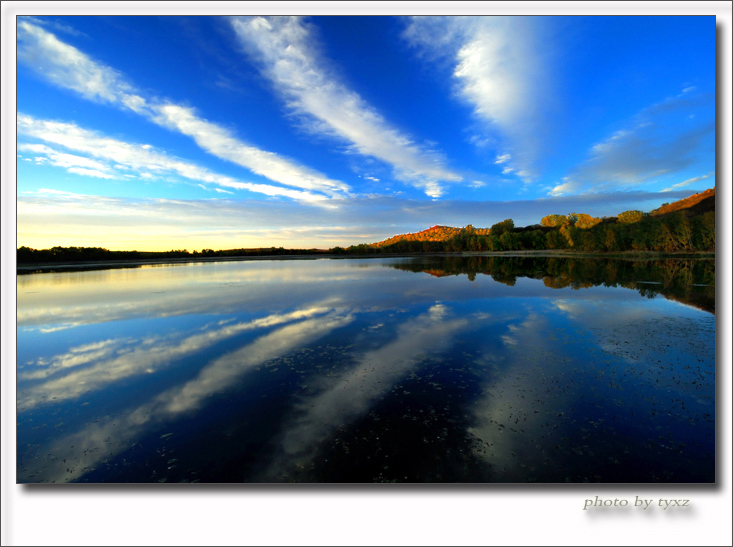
x,y
171,132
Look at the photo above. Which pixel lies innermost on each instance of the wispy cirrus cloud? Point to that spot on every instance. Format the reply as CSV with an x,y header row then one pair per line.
x,y
66,66
221,143
688,182
283,47
54,24
661,140
633,156
71,162
496,66
119,156
70,68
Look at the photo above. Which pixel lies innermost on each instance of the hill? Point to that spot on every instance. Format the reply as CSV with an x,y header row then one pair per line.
x,y
434,233
694,205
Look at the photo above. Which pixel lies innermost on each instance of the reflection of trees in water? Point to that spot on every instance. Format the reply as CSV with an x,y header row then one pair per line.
x,y
688,280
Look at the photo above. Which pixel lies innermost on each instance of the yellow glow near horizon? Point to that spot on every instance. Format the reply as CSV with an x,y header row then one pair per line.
x,y
143,239
71,220
159,243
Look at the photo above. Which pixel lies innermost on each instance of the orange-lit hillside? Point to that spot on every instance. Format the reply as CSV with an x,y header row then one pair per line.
x,y
698,203
434,233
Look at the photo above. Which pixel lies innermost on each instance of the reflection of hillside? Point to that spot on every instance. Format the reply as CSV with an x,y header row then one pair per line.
x,y
437,273
690,281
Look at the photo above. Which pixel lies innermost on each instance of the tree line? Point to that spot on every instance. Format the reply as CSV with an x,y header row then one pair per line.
x,y
630,231
57,255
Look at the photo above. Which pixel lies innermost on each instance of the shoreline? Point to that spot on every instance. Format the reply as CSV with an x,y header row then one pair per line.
x,y
49,267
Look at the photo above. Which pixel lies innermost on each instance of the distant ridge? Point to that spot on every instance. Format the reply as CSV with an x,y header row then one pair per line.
x,y
697,204
434,233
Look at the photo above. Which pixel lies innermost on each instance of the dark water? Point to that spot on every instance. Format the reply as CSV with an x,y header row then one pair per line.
x,y
374,370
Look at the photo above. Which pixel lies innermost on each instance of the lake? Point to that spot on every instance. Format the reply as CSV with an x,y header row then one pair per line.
x,y
416,370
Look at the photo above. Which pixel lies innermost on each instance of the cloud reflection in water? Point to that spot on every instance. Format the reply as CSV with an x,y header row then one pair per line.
x,y
147,357
352,393
115,433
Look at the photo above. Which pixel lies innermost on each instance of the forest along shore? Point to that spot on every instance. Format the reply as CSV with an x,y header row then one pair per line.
x,y
44,267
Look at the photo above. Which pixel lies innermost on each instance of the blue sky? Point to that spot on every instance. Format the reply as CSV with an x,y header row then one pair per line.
x,y
154,133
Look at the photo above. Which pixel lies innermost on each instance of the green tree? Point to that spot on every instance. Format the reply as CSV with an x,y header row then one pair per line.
x,y
703,232
509,241
502,227
494,244
556,240
681,230
610,243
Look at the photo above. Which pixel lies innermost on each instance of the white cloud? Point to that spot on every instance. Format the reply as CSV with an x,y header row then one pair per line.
x,y
62,194
137,157
283,45
525,175
89,172
220,142
496,65
688,182
72,163
568,186
481,141
57,25
67,67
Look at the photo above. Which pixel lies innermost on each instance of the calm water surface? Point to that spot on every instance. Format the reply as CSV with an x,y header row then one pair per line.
x,y
373,370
